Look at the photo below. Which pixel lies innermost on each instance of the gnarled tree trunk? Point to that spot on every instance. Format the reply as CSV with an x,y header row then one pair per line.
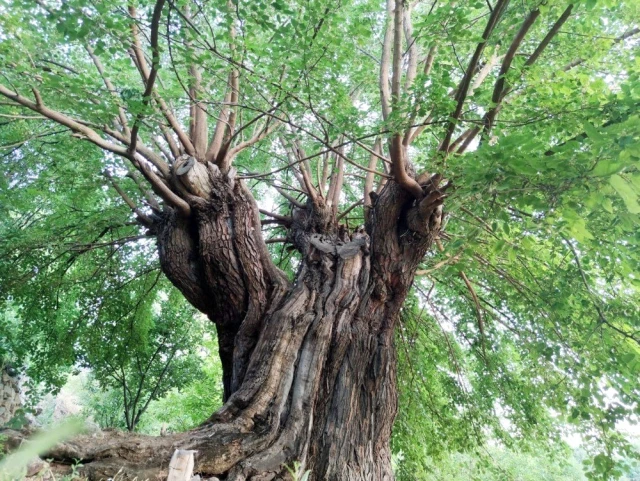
x,y
309,366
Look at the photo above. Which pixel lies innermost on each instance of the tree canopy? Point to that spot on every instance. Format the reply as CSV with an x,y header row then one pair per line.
x,y
525,318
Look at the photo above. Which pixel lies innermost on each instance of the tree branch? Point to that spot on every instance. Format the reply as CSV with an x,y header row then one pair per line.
x,y
398,166
412,132
549,36
461,94
629,33
151,78
140,62
385,93
500,89
144,219
489,117
283,219
412,62
268,128
369,178
110,87
81,130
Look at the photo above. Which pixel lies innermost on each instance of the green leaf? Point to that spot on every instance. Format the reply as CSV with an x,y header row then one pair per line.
x,y
14,465
626,192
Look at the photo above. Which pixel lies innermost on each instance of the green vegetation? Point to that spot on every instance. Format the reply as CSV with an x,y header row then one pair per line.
x,y
522,326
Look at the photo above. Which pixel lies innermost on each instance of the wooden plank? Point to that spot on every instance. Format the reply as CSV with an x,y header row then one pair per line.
x,y
181,465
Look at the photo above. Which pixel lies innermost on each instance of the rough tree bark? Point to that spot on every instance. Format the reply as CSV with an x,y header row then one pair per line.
x,y
309,366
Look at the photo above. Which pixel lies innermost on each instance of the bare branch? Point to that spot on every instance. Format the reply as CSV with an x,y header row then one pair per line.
x,y
552,33
141,149
500,88
349,209
160,188
337,182
151,200
484,72
478,311
122,118
221,126
140,62
268,128
305,169
461,94
275,240
398,166
151,78
412,132
412,64
198,116
136,47
440,265
283,219
500,91
385,93
337,177
83,131
290,198
78,128
234,91
197,113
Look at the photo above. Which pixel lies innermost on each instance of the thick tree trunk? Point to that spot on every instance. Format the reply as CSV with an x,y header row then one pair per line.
x,y
309,367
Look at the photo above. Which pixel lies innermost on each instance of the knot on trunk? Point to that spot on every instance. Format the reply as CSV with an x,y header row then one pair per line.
x,y
425,216
202,180
344,250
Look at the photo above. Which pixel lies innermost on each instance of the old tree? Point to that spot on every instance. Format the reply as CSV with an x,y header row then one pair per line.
x,y
300,167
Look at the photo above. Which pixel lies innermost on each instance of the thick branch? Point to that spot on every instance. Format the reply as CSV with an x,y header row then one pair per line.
x,y
305,170
549,36
198,116
221,126
412,63
83,131
398,166
413,132
489,118
368,182
234,88
197,113
283,219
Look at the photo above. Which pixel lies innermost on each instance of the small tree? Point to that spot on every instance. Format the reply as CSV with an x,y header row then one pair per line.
x,y
185,407
142,348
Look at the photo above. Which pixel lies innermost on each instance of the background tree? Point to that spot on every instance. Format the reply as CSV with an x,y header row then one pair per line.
x,y
150,349
352,124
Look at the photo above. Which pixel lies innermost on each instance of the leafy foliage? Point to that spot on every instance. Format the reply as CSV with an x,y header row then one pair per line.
x,y
524,323
149,352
